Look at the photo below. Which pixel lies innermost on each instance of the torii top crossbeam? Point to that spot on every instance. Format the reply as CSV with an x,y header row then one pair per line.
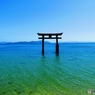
x,y
49,34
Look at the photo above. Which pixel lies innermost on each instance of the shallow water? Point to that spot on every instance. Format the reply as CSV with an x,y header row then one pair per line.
x,y
24,71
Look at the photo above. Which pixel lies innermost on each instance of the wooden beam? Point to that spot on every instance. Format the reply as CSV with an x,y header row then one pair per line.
x,y
49,38
46,34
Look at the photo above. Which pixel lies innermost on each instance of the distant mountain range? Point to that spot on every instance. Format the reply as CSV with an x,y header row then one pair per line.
x,y
37,43
24,42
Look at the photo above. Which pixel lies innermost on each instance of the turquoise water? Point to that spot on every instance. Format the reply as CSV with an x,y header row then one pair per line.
x,y
24,71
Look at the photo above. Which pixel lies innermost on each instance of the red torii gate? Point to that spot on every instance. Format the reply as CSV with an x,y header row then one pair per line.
x,y
50,36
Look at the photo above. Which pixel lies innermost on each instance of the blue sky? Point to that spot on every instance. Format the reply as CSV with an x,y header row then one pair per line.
x,y
20,20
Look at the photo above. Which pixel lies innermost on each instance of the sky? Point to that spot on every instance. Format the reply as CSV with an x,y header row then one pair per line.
x,y
21,20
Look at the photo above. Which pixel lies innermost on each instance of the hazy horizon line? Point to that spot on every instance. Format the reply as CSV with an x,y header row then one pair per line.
x,y
49,41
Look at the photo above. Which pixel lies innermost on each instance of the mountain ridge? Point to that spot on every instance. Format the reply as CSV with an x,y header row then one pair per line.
x,y
24,42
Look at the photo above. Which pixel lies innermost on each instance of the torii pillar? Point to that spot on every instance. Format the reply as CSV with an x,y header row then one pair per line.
x,y
50,36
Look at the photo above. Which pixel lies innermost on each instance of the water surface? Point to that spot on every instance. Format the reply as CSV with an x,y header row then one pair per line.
x,y
24,71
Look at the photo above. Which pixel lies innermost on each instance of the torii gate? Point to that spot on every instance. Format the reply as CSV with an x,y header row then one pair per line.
x,y
50,36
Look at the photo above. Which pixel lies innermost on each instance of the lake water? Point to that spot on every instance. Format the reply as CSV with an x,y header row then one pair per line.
x,y
24,71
